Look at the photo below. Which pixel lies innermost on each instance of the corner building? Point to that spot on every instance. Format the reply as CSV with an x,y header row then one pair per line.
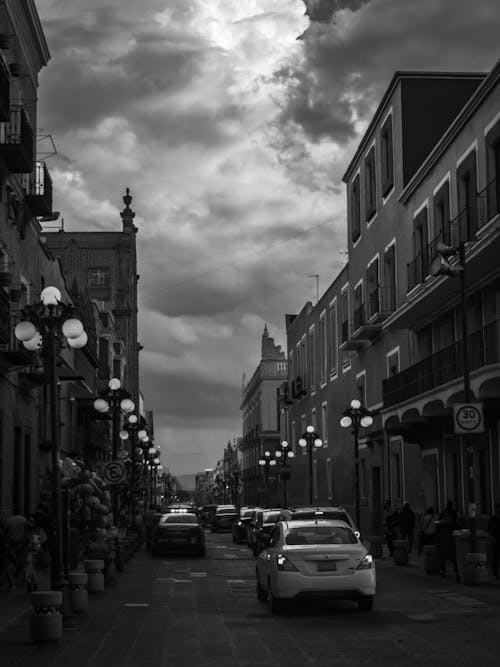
x,y
428,154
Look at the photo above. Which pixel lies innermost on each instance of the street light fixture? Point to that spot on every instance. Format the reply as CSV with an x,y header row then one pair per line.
x,y
310,439
49,326
356,416
139,438
284,455
115,400
265,463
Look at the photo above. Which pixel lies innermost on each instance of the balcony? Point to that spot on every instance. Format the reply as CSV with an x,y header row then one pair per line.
x,y
443,366
480,228
16,142
38,189
349,341
381,303
365,329
4,91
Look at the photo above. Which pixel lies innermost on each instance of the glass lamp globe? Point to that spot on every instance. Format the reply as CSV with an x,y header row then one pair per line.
x,y
284,443
132,419
267,453
290,454
50,296
318,442
151,451
114,384
24,331
127,405
346,421
78,342
262,462
277,453
156,461
272,462
142,434
310,429
302,442
101,405
355,404
34,343
366,421
123,435
72,328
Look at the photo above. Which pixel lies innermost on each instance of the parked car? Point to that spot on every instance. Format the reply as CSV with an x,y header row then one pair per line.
x,y
224,517
338,513
252,525
240,525
178,532
307,559
265,523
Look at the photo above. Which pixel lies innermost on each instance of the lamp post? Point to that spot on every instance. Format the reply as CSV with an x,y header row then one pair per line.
x,y
115,400
284,455
265,463
48,326
152,463
310,439
356,416
440,266
132,429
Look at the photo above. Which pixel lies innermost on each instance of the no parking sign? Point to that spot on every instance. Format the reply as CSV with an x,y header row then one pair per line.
x,y
114,472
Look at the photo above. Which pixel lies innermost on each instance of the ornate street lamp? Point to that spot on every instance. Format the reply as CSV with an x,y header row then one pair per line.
x,y
356,416
138,439
49,326
152,463
284,456
310,439
115,400
265,463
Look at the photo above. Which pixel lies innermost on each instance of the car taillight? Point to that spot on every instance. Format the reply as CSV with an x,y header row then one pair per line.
x,y
284,564
366,563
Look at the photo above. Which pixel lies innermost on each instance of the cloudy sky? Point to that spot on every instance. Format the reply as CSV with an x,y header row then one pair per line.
x,y
232,122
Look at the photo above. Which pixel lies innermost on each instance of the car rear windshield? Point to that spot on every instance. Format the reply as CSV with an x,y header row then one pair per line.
x,y
180,518
270,517
320,535
227,513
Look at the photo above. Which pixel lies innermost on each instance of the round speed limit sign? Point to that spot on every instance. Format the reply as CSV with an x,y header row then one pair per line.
x,y
468,418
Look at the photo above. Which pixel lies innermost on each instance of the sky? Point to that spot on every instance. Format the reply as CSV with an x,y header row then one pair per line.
x,y
232,123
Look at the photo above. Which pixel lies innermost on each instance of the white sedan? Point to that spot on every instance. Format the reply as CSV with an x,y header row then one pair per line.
x,y
321,558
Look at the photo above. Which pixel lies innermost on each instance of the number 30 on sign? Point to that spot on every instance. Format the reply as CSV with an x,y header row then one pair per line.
x,y
468,418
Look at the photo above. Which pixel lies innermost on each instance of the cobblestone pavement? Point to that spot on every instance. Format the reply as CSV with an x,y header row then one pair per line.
x,y
194,612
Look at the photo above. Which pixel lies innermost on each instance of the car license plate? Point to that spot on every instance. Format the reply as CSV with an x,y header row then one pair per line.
x,y
327,566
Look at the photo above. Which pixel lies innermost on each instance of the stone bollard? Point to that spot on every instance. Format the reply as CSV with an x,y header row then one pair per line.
x,y
377,546
95,571
78,593
431,560
475,569
46,620
401,552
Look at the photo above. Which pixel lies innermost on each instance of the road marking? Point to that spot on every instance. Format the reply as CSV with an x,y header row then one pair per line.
x,y
230,556
235,581
198,574
423,617
136,604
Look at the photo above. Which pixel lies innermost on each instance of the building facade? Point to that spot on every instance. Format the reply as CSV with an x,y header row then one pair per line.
x,y
428,155
261,424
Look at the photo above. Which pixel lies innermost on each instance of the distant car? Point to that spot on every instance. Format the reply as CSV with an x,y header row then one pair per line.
x,y
240,525
252,525
224,517
178,532
265,524
206,513
336,513
307,559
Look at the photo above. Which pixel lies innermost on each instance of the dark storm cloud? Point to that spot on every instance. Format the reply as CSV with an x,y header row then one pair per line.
x,y
350,56
323,11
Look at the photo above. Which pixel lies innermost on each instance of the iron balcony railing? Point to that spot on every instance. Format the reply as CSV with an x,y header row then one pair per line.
x,y
381,300
4,91
38,189
488,202
17,142
444,366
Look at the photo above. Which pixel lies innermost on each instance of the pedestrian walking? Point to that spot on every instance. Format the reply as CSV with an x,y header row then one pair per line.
x,y
139,529
445,541
494,535
407,520
427,529
391,522
37,555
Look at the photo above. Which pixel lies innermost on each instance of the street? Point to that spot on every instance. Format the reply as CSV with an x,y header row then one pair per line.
x,y
195,612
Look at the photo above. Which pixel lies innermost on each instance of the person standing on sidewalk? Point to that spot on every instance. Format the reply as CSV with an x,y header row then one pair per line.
x,y
494,533
407,521
427,529
391,522
16,541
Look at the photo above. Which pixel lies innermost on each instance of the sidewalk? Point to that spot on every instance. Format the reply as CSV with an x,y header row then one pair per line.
x,y
14,604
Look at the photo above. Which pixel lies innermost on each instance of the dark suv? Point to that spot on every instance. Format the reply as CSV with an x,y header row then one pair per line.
x,y
240,526
224,518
